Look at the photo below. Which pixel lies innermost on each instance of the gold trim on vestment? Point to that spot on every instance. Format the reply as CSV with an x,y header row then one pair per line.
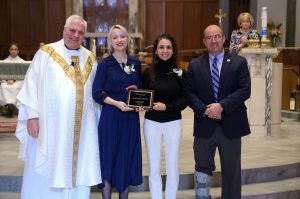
x,y
78,115
66,67
79,78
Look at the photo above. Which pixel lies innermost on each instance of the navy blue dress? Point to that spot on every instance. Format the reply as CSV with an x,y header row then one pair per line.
x,y
119,132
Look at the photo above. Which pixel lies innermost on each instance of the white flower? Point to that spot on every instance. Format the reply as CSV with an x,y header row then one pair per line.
x,y
178,72
129,69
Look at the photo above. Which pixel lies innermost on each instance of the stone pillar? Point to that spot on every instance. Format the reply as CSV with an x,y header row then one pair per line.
x,y
133,24
69,7
78,7
74,7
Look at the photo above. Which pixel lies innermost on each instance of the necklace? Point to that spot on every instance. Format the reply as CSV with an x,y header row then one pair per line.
x,y
243,31
121,59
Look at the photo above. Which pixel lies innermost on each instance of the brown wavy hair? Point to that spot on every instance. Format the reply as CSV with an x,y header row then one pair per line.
x,y
174,57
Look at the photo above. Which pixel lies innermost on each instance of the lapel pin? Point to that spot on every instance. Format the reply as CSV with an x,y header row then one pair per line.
x,y
228,60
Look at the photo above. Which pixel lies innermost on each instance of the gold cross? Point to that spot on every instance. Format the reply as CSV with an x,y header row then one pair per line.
x,y
220,15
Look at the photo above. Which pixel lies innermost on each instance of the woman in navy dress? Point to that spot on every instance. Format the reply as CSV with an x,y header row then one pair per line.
x,y
119,126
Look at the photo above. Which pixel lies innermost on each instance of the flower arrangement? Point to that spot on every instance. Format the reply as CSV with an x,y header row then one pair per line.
x,y
129,69
177,71
274,33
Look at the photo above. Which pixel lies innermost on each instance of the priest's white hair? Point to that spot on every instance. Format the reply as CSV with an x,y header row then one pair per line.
x,y
75,17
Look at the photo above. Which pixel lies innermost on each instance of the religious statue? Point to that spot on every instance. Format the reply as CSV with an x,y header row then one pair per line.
x,y
93,46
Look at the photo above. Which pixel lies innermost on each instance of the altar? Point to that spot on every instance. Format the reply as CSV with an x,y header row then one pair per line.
x,y
13,70
264,105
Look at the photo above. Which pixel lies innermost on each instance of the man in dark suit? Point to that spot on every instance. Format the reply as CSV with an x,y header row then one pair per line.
x,y
218,84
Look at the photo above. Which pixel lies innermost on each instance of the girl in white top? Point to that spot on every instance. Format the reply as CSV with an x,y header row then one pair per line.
x,y
10,88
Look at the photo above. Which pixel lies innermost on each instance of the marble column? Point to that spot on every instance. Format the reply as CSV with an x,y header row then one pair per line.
x,y
78,7
69,5
133,23
133,16
74,7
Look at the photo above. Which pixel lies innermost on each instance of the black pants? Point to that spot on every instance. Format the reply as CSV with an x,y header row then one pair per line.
x,y
230,157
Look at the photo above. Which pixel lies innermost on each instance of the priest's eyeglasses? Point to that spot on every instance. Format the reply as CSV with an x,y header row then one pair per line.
x,y
215,37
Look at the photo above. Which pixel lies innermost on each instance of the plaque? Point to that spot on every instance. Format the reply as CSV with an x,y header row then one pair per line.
x,y
140,98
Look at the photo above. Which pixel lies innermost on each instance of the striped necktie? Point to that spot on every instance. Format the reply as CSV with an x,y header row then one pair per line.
x,y
215,78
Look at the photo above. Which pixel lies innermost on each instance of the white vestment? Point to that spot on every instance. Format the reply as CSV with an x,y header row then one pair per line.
x,y
14,59
8,92
50,92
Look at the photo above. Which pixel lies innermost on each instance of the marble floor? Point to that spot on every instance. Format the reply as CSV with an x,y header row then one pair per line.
x,y
257,151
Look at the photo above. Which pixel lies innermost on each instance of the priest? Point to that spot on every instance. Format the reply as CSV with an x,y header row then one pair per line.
x,y
57,122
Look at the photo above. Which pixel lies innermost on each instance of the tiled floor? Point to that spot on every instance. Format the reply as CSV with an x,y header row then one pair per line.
x,y
257,151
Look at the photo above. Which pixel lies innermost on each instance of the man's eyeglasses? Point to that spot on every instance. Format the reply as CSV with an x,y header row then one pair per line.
x,y
215,37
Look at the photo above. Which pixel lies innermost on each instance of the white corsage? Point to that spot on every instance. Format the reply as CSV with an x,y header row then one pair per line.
x,y
178,72
129,69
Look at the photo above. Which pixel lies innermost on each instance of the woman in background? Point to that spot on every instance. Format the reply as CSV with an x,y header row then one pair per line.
x,y
240,37
119,125
163,124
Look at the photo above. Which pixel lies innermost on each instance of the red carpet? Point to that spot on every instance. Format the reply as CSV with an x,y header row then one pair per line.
x,y
8,127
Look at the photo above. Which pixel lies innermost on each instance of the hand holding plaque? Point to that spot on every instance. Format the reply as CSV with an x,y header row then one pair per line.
x,y
140,98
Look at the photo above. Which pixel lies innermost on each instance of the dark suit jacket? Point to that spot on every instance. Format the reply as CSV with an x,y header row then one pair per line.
x,y
234,90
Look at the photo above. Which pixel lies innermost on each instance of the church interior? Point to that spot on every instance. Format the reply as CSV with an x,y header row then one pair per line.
x,y
270,154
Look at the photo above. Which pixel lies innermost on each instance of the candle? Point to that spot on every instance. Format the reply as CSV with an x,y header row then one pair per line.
x,y
264,23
